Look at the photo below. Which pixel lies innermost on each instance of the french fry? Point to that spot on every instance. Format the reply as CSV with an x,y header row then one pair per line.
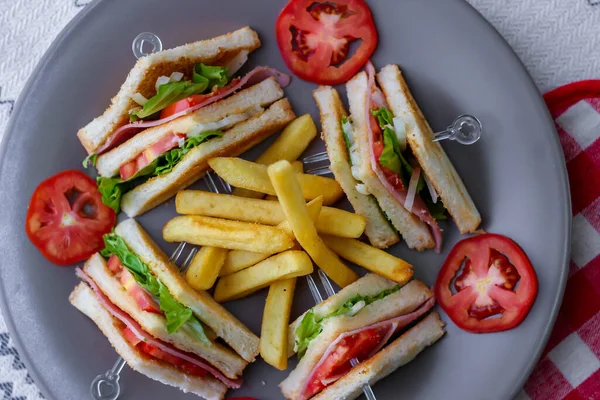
x,y
205,266
292,142
248,175
288,191
298,167
332,221
276,317
289,264
238,260
371,258
314,210
216,232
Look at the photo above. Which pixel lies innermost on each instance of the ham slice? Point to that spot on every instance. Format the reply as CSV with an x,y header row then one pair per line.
x,y
253,77
392,326
375,97
146,337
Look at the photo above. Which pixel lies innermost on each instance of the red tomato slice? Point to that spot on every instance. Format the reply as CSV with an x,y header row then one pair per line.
x,y
66,218
338,362
114,264
165,144
141,297
157,353
496,288
191,101
314,38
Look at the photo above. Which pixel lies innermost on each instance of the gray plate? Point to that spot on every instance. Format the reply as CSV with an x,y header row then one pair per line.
x,y
455,63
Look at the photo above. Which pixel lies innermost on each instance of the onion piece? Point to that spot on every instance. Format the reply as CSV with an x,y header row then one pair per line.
x,y
362,189
356,308
138,98
176,76
237,62
161,80
349,130
412,189
432,192
400,129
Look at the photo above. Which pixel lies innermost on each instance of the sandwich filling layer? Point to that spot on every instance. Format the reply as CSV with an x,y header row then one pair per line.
x,y
161,157
149,292
155,348
311,327
388,161
179,106
360,344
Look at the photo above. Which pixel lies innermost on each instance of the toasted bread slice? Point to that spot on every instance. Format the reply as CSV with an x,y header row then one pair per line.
x,y
142,78
194,164
430,155
222,358
415,232
398,353
402,302
84,299
211,313
378,228
243,102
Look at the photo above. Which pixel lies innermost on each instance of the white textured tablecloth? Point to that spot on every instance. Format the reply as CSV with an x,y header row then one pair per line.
x,y
558,40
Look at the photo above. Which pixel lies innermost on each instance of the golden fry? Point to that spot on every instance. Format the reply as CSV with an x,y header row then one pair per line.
x,y
371,258
332,221
298,167
238,260
288,191
276,317
235,235
289,264
205,266
292,142
248,175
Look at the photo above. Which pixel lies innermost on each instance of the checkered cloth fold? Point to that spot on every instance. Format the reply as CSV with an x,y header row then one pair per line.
x,y
570,365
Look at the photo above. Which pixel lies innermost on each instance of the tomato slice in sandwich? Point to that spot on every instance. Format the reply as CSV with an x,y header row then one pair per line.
x,y
359,346
314,38
66,218
495,289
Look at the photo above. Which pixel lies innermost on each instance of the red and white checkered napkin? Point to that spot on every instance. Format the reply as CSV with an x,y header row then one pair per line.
x,y
570,365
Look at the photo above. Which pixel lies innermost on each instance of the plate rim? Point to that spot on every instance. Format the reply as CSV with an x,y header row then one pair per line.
x,y
563,180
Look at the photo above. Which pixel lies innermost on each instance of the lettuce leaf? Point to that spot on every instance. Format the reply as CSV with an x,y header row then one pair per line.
x,y
168,94
176,314
392,158
113,189
204,78
91,159
347,140
309,328
213,76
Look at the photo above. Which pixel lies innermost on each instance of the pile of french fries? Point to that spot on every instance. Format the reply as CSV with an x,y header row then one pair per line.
x,y
250,242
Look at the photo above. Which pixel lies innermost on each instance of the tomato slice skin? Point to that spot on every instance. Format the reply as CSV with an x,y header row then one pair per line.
x,y
313,38
159,354
357,346
483,283
66,218
191,101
